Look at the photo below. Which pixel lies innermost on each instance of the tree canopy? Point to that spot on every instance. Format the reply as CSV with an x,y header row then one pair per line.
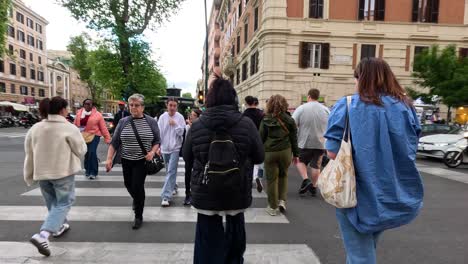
x,y
125,20
4,7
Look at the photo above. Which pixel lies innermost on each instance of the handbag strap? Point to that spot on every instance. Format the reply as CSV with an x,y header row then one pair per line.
x,y
138,138
282,125
347,126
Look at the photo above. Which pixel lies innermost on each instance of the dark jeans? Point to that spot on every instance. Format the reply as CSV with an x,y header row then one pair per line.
x,y
188,176
134,173
91,160
214,245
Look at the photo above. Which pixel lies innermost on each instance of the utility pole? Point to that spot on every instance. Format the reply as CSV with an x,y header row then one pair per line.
x,y
206,51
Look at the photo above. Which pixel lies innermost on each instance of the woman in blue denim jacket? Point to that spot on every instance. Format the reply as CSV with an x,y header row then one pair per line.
x,y
384,133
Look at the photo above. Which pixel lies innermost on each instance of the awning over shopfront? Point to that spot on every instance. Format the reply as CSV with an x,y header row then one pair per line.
x,y
17,107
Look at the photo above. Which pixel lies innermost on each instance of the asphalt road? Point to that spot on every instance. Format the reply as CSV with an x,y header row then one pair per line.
x,y
438,235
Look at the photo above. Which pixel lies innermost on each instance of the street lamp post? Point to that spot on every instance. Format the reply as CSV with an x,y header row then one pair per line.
x,y
206,50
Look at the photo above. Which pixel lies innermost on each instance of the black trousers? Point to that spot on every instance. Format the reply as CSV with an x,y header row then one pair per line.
x,y
216,244
134,173
188,176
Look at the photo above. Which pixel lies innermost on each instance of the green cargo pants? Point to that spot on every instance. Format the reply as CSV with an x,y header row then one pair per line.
x,y
276,170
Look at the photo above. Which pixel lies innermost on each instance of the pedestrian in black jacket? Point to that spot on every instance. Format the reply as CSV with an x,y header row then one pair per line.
x,y
120,114
214,243
256,115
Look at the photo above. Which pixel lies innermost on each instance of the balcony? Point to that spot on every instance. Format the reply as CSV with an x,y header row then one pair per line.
x,y
229,65
217,52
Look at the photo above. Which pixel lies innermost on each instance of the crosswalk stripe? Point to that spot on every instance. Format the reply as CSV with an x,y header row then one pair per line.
x,y
125,214
122,192
107,253
106,178
444,173
119,169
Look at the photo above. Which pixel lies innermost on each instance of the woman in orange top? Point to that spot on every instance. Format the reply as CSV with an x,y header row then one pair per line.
x,y
89,120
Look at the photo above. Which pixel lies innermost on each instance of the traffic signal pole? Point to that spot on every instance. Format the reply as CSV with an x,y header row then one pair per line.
x,y
206,51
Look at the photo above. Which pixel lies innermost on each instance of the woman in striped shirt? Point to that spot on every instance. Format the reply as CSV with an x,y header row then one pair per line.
x,y
131,154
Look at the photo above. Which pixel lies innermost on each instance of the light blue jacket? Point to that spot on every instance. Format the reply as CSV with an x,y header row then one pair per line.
x,y
384,138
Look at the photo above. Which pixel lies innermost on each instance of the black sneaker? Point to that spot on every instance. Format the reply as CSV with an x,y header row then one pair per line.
x,y
188,200
305,186
313,190
258,181
137,223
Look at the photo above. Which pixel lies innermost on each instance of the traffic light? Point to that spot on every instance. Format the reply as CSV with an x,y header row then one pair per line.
x,y
201,98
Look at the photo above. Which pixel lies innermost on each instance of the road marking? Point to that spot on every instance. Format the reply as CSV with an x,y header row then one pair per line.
x,y
125,214
447,174
110,253
122,192
107,178
12,135
119,169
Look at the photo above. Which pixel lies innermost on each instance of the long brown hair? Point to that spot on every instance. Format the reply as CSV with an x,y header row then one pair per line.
x,y
375,78
276,105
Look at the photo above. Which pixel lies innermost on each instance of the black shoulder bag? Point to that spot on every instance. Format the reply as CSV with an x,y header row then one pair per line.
x,y
156,164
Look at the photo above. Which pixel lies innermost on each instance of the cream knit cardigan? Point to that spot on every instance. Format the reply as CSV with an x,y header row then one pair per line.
x,y
54,149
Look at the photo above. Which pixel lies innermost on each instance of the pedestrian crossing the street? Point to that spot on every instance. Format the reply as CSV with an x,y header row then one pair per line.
x,y
92,214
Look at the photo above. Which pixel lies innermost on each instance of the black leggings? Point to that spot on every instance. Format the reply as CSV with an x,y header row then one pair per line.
x,y
188,176
134,173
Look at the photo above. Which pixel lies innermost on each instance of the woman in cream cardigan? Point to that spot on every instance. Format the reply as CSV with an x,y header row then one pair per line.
x,y
54,149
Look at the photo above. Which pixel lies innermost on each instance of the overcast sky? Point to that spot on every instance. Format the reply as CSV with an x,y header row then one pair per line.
x,y
177,45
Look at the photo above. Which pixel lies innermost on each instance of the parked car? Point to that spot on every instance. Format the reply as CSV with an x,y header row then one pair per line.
x,y
436,146
434,129
110,115
109,123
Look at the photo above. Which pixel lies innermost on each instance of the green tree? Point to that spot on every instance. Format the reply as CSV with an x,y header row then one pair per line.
x,y
5,5
79,47
125,20
444,74
100,68
187,95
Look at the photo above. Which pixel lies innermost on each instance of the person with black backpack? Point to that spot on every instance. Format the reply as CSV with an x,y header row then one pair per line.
x,y
223,145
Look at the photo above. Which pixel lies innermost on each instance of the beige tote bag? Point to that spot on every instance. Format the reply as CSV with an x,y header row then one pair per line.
x,y
337,182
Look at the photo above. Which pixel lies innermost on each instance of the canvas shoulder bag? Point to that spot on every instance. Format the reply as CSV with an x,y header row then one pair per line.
x,y
337,182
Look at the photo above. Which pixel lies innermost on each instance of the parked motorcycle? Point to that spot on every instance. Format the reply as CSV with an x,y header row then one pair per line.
x,y
457,154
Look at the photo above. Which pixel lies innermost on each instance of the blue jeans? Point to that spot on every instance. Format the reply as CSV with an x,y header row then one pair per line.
x,y
171,161
214,244
59,196
360,248
91,160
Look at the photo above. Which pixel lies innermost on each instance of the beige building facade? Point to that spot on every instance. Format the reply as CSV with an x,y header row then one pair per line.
x,y
289,46
23,70
78,90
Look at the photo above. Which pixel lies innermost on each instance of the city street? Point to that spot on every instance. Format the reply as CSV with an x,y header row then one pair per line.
x,y
308,232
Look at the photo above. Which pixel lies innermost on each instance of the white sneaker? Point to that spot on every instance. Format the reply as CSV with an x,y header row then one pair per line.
x,y
271,211
41,243
282,206
176,189
165,203
65,227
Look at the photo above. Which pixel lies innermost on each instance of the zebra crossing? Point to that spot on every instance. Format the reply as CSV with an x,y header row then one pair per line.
x,y
81,246
13,134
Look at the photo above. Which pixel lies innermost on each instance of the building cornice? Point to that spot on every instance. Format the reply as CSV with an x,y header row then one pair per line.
x,y
21,5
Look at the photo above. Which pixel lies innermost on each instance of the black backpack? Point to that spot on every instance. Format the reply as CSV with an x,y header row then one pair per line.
x,y
223,172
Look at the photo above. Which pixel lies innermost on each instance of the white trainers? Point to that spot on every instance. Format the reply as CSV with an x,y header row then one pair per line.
x,y
282,206
165,203
65,227
271,211
176,189
41,243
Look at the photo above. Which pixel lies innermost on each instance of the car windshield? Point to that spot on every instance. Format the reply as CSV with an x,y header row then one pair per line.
x,y
455,130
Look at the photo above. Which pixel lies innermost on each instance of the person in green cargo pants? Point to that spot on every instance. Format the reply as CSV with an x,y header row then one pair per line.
x,y
279,135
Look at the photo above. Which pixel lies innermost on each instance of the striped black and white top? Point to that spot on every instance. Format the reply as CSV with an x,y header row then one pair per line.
x,y
131,150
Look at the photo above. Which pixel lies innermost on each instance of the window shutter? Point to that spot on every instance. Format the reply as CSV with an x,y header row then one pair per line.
x,y
319,9
304,56
354,55
325,59
380,10
313,8
381,51
463,53
415,15
362,4
434,11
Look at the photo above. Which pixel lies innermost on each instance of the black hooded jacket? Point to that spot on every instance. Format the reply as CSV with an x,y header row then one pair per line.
x,y
249,146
